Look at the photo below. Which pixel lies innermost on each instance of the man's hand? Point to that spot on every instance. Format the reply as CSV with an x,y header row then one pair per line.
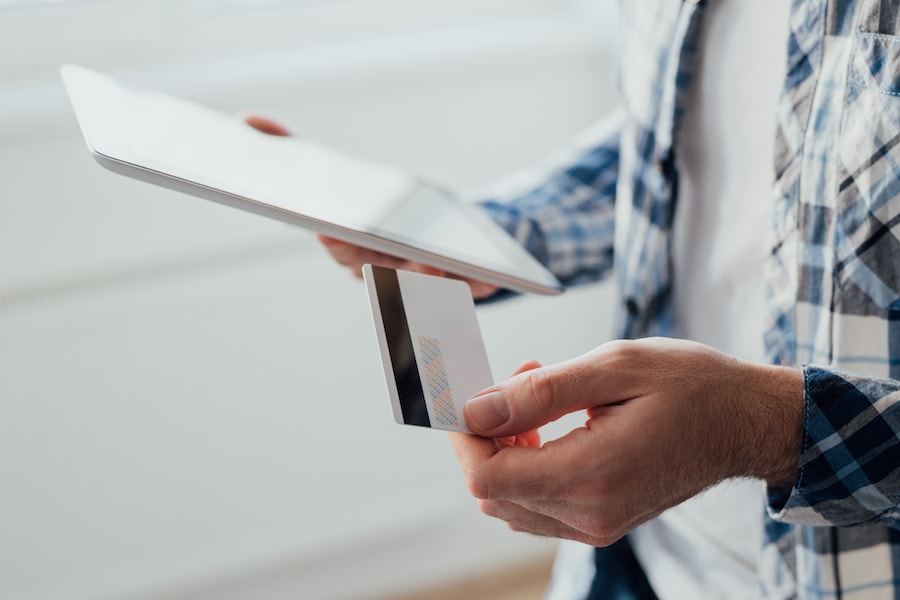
x,y
666,419
354,257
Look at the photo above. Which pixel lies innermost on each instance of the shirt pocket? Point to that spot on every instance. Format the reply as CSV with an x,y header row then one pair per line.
x,y
867,217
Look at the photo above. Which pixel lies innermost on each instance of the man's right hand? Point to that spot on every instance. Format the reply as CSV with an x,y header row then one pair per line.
x,y
354,257
666,419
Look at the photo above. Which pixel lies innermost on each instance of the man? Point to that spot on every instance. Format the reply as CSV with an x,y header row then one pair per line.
x,y
668,419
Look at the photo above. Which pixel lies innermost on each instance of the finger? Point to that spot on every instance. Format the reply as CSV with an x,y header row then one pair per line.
x,y
519,518
471,450
545,480
528,438
531,439
267,126
326,240
483,412
480,289
528,365
505,469
538,396
526,401
417,267
354,257
550,481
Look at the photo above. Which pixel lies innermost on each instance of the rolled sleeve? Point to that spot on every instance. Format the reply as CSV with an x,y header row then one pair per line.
x,y
849,470
567,220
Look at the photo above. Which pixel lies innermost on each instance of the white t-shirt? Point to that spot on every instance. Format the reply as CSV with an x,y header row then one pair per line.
x,y
707,547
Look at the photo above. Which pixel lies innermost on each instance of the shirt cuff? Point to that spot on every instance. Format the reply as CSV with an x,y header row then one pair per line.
x,y
849,471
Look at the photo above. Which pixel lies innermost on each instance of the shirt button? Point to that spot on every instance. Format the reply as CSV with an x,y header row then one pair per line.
x,y
631,307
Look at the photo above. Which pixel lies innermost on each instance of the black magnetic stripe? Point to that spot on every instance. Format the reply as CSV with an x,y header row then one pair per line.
x,y
400,347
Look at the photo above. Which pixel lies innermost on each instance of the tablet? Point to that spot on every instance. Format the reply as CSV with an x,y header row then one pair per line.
x,y
183,146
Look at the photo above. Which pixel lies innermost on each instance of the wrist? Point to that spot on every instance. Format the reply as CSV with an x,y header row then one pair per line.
x,y
772,424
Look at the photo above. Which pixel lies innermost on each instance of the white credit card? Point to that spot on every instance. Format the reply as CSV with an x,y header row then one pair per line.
x,y
431,346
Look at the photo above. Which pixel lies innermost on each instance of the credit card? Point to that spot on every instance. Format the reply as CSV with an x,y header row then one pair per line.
x,y
431,346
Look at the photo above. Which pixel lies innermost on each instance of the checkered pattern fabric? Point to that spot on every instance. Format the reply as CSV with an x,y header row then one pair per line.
x,y
832,280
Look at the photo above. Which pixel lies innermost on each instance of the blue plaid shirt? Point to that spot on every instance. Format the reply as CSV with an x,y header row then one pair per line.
x,y
832,279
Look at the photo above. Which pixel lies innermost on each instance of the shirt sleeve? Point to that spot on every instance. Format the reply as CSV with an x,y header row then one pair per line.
x,y
566,220
850,456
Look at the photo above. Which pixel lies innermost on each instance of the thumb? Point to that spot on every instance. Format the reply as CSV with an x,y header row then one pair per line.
x,y
527,401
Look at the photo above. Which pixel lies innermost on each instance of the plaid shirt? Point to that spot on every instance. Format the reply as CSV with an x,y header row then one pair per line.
x,y
832,280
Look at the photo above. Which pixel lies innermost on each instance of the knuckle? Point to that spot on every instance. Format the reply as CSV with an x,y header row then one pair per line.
x,y
629,358
621,352
609,528
491,508
542,389
605,541
479,485
602,530
508,513
518,527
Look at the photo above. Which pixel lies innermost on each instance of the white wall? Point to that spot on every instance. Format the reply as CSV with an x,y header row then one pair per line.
x,y
191,403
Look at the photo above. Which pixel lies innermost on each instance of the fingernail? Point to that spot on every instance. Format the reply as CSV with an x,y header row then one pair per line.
x,y
488,411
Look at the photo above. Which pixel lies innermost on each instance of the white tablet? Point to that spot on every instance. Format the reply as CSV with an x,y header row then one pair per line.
x,y
190,148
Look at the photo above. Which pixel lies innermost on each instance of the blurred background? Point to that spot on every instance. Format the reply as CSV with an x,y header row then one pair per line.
x,y
191,400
